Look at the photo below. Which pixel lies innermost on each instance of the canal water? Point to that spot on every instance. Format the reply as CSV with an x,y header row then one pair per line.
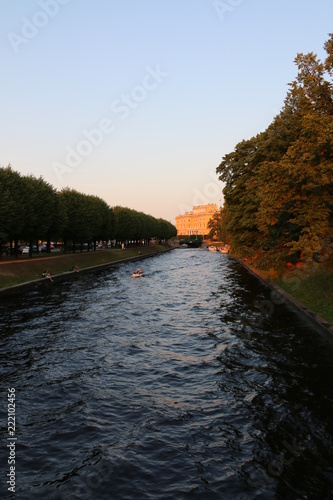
x,y
191,382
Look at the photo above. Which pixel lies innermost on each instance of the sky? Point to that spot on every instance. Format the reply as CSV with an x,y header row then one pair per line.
x,y
137,101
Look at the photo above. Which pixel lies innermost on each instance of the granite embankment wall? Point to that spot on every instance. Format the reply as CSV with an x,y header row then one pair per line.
x,y
310,316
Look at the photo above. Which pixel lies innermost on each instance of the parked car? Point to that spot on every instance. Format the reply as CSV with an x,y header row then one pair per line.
x,y
24,249
43,247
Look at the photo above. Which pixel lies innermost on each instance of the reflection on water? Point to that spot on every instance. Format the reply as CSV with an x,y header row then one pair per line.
x,y
175,385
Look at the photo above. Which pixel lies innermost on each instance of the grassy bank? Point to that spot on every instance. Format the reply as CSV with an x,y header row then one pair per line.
x,y
24,270
314,288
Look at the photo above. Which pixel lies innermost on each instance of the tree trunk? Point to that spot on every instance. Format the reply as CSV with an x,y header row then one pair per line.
x,y
16,247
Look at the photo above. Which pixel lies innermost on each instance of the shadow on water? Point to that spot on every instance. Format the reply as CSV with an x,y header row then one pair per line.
x,y
188,383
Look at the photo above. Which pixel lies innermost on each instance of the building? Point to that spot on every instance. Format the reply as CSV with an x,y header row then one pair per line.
x,y
196,221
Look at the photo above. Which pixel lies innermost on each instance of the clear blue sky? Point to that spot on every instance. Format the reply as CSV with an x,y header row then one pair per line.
x,y
137,101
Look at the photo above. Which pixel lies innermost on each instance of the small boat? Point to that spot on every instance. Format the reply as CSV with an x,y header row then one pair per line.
x,y
224,249
211,248
137,273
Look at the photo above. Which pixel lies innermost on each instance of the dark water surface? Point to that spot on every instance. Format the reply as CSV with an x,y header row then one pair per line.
x,y
192,382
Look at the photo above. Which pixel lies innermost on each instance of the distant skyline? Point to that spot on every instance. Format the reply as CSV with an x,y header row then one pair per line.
x,y
137,101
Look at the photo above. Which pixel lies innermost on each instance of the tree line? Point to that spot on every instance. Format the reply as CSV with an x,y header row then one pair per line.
x,y
31,210
278,185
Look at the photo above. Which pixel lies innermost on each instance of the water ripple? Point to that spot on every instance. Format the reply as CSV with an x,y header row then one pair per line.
x,y
172,386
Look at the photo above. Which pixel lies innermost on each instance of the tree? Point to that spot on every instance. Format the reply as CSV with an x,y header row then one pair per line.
x,y
279,185
12,200
31,209
78,228
217,227
40,202
295,210
236,171
165,230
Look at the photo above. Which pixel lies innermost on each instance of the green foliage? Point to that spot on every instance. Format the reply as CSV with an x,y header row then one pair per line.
x,y
29,207
237,170
133,225
12,203
31,210
216,226
165,229
279,185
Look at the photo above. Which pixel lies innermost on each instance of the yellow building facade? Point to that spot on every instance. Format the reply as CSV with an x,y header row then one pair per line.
x,y
196,221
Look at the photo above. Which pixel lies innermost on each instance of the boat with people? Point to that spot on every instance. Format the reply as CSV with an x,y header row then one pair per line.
x,y
223,249
137,273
